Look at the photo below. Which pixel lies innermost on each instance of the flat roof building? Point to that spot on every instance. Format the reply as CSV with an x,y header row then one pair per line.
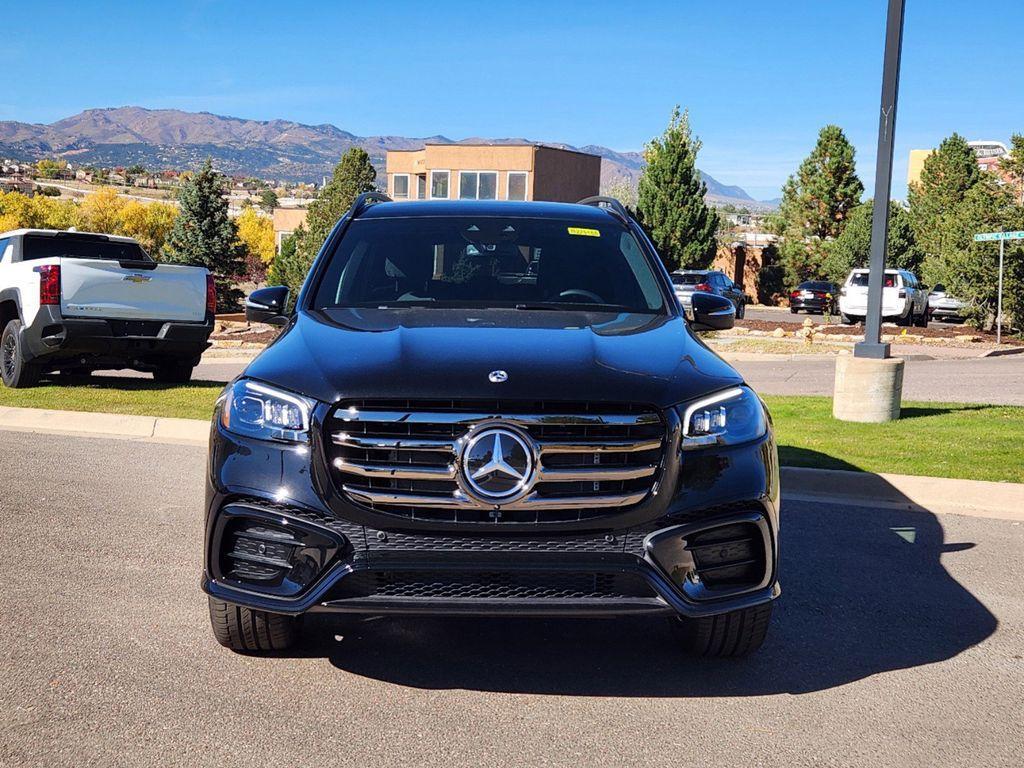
x,y
286,221
988,153
492,172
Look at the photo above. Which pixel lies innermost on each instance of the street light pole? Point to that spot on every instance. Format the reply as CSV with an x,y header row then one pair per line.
x,y
869,383
872,346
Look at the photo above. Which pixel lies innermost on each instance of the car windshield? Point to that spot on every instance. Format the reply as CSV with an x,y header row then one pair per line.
x,y
485,262
81,247
688,278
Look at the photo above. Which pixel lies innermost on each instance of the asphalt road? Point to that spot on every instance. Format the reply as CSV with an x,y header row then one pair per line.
x,y
899,641
996,380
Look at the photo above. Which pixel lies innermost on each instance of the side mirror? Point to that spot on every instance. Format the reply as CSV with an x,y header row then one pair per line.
x,y
711,312
267,305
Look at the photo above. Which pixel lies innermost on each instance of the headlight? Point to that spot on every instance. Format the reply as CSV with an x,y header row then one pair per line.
x,y
726,418
256,410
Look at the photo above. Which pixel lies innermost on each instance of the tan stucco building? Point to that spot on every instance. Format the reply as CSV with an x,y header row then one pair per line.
x,y
492,172
286,221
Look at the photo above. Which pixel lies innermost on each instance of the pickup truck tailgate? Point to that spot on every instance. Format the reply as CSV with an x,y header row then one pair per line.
x,y
103,288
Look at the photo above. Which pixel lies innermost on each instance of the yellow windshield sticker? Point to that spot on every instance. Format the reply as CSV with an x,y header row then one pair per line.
x,y
584,232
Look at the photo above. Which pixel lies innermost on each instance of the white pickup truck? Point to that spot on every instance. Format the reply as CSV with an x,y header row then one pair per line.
x,y
76,302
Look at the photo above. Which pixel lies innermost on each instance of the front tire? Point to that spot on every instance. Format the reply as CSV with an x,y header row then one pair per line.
x,y
247,631
173,373
741,310
15,370
732,634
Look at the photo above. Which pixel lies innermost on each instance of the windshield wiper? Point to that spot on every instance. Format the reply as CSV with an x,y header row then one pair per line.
x,y
574,305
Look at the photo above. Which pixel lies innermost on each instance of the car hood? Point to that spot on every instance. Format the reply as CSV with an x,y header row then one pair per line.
x,y
418,353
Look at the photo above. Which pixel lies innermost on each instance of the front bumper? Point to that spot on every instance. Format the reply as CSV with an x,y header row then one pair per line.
x,y
654,572
661,565
53,338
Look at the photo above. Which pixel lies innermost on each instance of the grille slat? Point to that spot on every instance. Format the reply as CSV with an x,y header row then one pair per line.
x,y
402,458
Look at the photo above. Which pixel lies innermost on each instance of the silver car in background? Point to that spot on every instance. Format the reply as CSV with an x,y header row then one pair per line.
x,y
942,306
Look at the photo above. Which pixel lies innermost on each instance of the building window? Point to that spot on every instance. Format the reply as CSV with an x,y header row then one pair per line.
x,y
400,186
439,183
478,185
516,185
421,187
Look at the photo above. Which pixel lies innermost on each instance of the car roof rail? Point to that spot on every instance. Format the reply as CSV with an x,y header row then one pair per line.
x,y
610,204
365,200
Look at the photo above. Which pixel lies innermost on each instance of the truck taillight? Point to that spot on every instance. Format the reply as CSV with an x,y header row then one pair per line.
x,y
211,294
49,283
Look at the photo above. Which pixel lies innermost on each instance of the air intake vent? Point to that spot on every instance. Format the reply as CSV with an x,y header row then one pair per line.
x,y
729,556
408,458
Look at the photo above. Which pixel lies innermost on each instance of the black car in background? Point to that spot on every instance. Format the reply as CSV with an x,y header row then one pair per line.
x,y
490,408
814,296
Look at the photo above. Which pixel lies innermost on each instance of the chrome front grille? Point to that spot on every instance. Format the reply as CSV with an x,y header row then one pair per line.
x,y
405,458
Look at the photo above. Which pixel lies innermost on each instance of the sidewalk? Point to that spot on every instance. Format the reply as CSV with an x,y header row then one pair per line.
x,y
974,498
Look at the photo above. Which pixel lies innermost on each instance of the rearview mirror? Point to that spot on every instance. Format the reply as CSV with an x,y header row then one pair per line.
x,y
711,312
267,305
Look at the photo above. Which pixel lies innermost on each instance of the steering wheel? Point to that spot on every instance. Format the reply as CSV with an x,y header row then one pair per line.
x,y
581,293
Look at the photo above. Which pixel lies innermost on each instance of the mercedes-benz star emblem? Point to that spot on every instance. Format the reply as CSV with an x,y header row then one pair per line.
x,y
497,464
496,377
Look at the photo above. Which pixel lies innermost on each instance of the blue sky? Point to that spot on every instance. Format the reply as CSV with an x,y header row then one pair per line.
x,y
759,77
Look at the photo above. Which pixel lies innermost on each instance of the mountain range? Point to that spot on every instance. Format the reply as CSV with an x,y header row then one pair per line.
x,y
273,149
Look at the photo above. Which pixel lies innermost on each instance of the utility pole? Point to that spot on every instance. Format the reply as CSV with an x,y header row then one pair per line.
x,y
869,384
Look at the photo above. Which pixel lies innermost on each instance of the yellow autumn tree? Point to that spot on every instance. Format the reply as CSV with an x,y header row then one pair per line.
x,y
101,211
55,213
256,233
149,223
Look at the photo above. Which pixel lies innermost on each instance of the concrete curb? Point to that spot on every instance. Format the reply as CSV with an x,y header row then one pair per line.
x,y
975,498
122,426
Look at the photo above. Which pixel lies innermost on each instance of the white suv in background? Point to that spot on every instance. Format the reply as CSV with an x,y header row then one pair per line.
x,y
904,298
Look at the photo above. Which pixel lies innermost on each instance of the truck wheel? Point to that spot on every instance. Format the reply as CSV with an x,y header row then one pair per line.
x,y
729,634
14,369
248,631
846,319
922,320
173,373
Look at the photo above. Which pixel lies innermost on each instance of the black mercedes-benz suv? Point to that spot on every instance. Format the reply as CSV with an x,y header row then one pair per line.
x,y
490,408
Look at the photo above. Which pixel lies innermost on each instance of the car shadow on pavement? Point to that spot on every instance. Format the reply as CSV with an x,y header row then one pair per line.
x,y
863,593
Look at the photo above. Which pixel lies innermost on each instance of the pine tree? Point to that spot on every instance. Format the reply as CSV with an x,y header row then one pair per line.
x,y
670,199
969,270
853,247
817,202
204,236
946,177
353,176
1013,165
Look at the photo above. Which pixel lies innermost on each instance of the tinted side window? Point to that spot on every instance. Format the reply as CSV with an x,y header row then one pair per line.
x,y
46,246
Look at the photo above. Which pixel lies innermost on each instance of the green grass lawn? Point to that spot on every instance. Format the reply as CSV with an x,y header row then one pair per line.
x,y
111,394
978,442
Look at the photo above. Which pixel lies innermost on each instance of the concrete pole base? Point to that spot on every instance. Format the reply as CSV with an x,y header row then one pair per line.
x,y
867,389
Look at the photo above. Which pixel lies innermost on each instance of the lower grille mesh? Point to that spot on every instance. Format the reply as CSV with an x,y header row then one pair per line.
x,y
497,585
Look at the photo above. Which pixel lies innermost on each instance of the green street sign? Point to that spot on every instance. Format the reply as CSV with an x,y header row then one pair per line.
x,y
998,236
